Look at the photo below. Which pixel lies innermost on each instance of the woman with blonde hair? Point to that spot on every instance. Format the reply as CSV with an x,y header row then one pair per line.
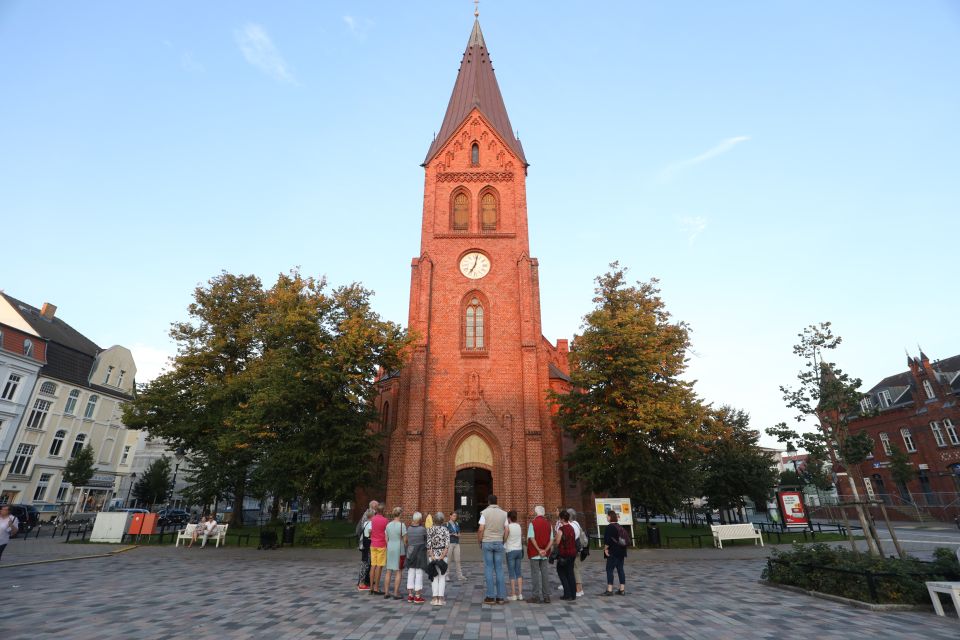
x,y
396,533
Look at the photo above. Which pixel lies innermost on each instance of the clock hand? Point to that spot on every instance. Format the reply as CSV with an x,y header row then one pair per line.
x,y
474,263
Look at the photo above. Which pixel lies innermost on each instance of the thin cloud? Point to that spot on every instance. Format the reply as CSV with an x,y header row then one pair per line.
x,y
189,63
717,150
358,26
693,226
259,51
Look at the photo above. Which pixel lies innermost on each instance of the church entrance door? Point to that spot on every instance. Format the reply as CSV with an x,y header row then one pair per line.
x,y
471,489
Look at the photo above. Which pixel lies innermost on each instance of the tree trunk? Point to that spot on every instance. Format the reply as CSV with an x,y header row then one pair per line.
x,y
275,507
865,526
239,488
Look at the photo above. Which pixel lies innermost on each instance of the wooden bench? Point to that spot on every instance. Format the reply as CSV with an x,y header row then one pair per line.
x,y
723,532
220,535
950,588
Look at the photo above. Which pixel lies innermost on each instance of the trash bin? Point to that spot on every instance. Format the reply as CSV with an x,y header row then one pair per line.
x,y
268,539
653,535
288,532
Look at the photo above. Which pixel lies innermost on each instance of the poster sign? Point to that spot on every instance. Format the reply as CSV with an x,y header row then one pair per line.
x,y
619,505
791,503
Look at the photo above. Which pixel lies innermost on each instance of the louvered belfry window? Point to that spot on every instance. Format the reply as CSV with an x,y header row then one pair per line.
x,y
474,338
461,212
488,212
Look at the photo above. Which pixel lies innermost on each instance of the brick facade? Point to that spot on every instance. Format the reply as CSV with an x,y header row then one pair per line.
x,y
451,391
923,401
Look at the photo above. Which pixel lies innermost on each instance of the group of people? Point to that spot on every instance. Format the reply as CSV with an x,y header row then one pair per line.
x,y
431,548
206,528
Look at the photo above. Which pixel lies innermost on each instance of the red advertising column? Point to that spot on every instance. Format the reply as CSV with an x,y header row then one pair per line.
x,y
791,506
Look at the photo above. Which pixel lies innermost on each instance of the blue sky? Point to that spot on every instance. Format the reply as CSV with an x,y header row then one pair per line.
x,y
775,164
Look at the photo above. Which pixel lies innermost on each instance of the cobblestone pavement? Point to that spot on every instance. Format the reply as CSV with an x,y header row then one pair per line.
x,y
162,592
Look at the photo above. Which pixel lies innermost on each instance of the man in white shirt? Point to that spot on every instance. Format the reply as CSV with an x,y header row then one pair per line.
x,y
9,526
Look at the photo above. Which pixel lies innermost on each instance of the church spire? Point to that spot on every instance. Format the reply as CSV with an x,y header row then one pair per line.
x,y
476,86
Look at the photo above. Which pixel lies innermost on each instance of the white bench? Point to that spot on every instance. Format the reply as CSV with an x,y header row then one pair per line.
x,y
950,588
723,532
220,535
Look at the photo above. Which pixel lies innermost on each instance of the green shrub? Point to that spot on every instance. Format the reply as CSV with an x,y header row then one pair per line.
x,y
823,568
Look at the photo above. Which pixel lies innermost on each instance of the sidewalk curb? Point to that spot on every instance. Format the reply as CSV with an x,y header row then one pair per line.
x,y
52,560
869,606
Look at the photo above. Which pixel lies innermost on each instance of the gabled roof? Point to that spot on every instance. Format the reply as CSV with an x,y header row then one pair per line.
x,y
54,329
476,86
902,385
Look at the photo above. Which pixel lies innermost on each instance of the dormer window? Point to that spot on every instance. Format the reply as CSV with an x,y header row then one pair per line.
x,y
120,379
27,348
866,405
475,155
885,399
106,379
928,389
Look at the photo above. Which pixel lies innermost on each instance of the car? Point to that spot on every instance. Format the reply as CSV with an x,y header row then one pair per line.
x,y
26,514
169,517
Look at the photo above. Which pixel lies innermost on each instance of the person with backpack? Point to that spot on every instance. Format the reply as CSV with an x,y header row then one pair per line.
x,y
566,545
615,541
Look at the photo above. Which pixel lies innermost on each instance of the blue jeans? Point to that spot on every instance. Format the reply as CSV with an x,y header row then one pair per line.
x,y
513,564
493,570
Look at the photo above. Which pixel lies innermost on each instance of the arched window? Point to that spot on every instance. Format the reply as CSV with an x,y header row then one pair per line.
x,y
474,325
27,348
461,211
57,443
72,402
488,212
78,444
475,154
48,388
385,412
91,407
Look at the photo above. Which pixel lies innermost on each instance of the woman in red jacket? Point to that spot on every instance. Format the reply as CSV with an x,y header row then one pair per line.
x,y
566,542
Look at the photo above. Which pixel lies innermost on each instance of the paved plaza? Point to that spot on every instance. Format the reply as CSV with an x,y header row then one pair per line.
x,y
237,593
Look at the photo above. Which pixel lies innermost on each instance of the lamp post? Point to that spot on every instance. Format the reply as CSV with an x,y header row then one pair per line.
x,y
133,476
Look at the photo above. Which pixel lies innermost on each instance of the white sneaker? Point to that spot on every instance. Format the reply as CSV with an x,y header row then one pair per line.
x,y
560,588
579,594
520,597
512,598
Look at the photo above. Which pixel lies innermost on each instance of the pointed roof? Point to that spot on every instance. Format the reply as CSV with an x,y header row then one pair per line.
x,y
476,86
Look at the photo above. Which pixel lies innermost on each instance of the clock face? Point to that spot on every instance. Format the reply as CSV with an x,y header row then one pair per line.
x,y
474,265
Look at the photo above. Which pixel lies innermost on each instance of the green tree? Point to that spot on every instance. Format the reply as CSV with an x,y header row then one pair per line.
x,y
901,469
790,478
79,469
638,427
154,485
734,466
830,396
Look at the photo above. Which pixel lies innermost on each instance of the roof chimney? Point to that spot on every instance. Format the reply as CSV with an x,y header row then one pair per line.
x,y
48,311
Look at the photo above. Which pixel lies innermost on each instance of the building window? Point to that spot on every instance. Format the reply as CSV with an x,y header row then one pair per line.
x,y
39,414
10,389
474,325
91,407
126,455
106,379
488,212
475,154
120,378
461,211
72,402
106,451
28,348
938,434
78,445
928,389
62,492
951,431
57,443
386,416
885,400
907,440
885,441
866,405
21,462
48,388
41,491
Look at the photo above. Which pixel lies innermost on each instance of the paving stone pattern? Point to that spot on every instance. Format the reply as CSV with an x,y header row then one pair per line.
x,y
154,593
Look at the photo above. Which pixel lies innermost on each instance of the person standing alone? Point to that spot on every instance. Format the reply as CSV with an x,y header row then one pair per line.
x,y
539,543
491,535
453,526
615,549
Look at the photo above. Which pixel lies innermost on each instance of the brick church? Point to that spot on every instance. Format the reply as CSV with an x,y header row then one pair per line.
x,y
469,414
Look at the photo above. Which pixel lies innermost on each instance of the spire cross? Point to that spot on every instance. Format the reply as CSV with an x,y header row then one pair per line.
x,y
476,8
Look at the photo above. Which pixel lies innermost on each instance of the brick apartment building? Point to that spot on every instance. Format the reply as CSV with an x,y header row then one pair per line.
x,y
468,415
918,412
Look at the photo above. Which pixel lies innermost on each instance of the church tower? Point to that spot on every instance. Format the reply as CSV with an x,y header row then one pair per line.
x,y
469,415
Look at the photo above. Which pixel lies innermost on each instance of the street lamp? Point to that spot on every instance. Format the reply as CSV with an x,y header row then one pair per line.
x,y
133,476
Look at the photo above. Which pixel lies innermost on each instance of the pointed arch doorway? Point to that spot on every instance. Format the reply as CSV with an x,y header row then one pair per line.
x,y
474,480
